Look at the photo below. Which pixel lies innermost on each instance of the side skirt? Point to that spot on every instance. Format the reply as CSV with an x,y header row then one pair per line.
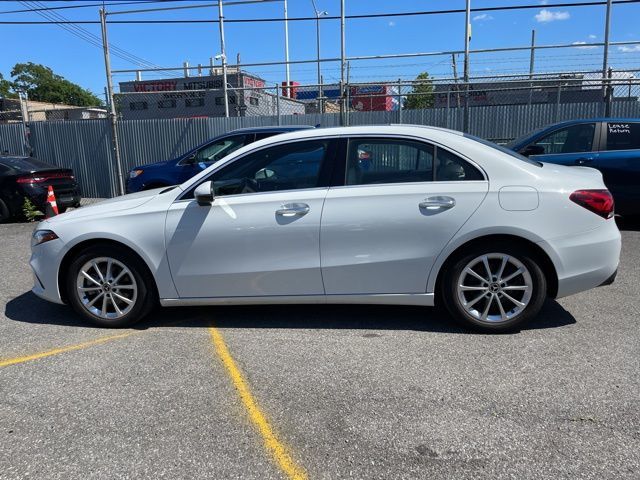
x,y
422,299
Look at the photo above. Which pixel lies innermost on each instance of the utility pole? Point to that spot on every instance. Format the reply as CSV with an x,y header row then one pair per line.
x,y
318,15
605,61
286,48
112,107
532,59
343,56
223,56
467,38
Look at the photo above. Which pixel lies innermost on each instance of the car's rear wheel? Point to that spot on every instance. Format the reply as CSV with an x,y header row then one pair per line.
x,y
110,286
5,214
494,288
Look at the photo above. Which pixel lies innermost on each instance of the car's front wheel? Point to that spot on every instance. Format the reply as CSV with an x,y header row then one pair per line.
x,y
494,288
110,286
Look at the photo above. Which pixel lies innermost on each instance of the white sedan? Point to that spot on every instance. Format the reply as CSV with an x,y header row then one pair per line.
x,y
403,215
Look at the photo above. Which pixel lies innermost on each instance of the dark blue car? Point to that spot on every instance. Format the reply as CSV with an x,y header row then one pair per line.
x,y
611,145
178,170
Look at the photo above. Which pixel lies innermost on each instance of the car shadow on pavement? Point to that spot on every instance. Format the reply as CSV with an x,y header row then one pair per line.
x,y
30,309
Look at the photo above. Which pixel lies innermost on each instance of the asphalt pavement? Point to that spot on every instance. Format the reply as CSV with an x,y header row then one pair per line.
x,y
321,392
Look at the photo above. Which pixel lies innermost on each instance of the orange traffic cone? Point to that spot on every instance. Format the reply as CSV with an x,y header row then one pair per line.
x,y
51,205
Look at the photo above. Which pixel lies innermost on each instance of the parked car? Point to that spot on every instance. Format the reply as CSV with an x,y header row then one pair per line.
x,y
181,169
24,178
436,216
611,145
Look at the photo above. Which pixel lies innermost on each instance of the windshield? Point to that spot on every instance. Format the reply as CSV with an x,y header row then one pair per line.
x,y
502,149
25,164
522,138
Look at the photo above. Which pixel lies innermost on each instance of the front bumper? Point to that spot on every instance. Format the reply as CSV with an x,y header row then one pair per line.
x,y
586,260
44,262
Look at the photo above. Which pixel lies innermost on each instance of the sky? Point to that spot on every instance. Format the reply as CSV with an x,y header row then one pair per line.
x,y
172,44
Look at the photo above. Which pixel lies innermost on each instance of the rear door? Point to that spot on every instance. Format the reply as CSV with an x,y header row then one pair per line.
x,y
569,145
400,203
619,162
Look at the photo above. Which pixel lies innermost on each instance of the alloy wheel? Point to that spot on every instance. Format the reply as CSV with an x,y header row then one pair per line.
x,y
494,287
106,288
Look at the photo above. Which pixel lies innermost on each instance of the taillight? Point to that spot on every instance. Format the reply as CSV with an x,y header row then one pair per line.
x,y
39,178
599,202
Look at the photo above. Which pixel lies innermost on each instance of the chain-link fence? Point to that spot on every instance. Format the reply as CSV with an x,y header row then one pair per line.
x,y
162,120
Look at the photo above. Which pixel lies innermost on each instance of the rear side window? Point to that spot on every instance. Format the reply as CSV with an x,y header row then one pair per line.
x,y
372,161
623,136
573,139
380,161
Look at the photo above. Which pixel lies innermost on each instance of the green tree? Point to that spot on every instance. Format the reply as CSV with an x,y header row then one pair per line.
x,y
421,95
5,88
42,85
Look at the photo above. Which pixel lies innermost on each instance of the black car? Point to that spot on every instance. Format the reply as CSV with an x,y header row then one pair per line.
x,y
28,178
611,145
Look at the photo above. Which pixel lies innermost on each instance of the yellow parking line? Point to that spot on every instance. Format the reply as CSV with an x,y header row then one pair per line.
x,y
271,441
56,351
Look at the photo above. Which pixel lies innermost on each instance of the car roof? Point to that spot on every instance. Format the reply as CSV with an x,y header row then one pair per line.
x,y
277,128
597,119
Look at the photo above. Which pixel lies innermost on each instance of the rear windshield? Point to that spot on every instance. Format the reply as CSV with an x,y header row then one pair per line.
x,y
504,150
24,164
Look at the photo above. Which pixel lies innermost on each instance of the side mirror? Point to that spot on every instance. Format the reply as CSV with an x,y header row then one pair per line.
x,y
532,150
204,194
191,159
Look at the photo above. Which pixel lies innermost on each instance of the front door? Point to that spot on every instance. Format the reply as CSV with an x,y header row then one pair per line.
x,y
402,203
571,145
260,236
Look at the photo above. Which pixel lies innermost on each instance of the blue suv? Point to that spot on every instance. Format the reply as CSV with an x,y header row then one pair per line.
x,y
178,170
611,145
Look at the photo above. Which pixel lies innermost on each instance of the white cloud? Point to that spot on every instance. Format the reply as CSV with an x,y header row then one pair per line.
x,y
544,2
482,17
392,24
629,48
593,37
586,47
544,15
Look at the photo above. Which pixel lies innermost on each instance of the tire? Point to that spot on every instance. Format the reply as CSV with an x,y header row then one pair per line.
x,y
509,308
5,214
110,308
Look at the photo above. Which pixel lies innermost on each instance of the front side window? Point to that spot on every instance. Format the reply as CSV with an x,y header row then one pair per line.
x,y
623,136
573,139
284,167
373,161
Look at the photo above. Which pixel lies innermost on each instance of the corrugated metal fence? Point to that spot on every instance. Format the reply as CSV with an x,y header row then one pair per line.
x,y
85,145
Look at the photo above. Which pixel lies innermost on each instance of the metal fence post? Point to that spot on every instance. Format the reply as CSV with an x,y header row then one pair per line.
x,y
608,99
278,102
557,112
448,107
399,101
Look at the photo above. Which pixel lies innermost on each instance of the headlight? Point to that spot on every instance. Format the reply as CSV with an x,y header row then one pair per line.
x,y
135,173
42,236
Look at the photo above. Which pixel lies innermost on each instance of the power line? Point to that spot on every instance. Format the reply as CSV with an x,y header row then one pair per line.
x,y
89,37
85,5
349,17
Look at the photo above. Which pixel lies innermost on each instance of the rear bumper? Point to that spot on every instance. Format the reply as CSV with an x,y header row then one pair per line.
x,y
586,260
66,196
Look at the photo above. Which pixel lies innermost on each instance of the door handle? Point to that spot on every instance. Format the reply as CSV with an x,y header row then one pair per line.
x,y
438,203
293,210
584,160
